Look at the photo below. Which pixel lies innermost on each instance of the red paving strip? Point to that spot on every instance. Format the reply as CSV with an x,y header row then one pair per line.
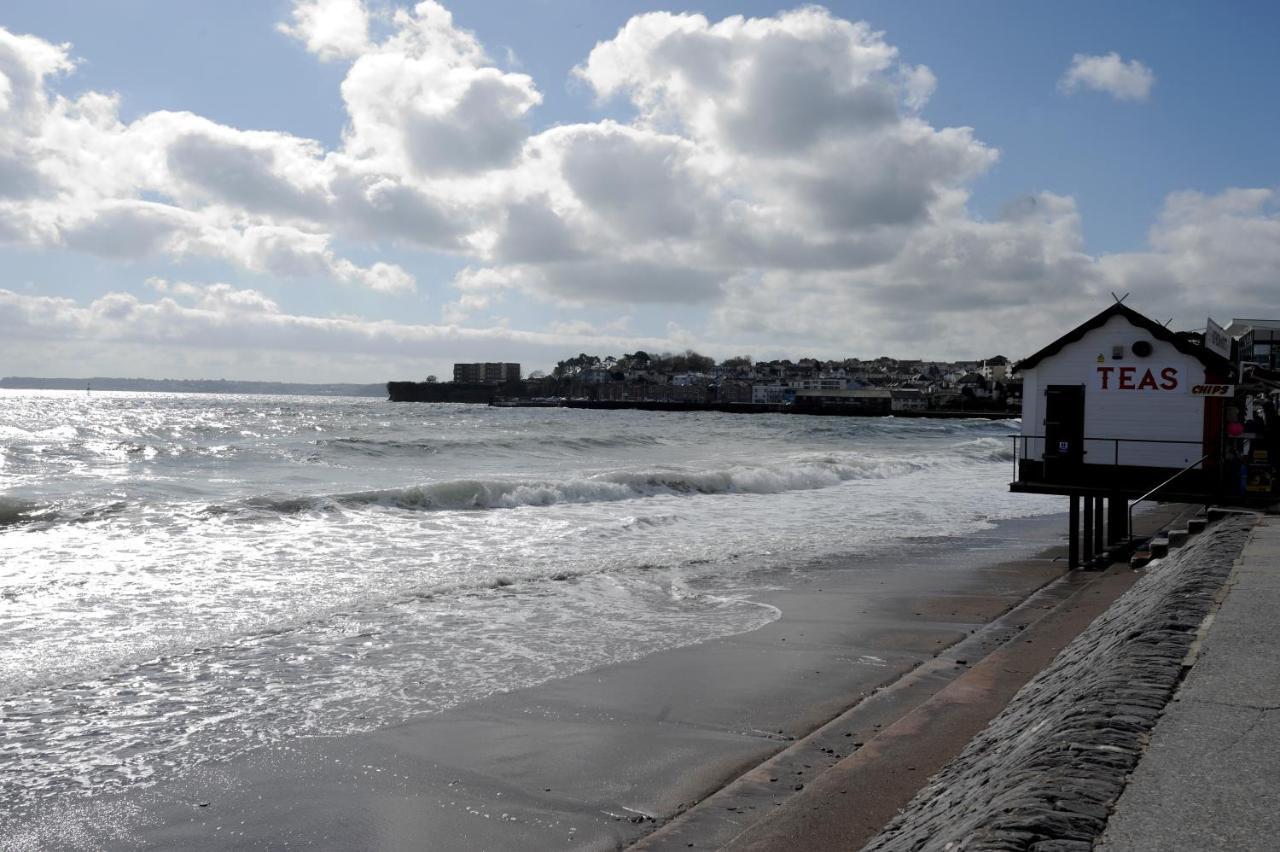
x,y
845,805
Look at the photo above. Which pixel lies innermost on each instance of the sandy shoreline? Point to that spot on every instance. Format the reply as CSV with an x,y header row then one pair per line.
x,y
600,759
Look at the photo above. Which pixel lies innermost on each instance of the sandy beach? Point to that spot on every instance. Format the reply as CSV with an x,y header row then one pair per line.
x,y
601,759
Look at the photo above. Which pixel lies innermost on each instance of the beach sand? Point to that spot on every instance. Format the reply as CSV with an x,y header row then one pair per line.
x,y
601,759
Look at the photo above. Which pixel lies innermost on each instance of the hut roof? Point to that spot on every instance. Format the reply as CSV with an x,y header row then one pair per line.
x,y
1155,329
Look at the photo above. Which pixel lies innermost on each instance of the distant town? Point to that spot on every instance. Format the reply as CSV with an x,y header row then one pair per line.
x,y
682,380
880,386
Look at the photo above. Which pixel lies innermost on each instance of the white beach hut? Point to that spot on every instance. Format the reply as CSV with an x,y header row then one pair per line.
x,y
1115,407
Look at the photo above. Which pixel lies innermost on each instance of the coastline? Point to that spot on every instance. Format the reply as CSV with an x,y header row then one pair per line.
x,y
599,759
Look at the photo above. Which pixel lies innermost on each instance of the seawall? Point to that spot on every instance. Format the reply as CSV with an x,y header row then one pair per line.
x,y
1046,772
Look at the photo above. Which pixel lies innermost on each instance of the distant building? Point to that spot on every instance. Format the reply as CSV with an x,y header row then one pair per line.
x,y
486,374
908,399
734,390
862,401
994,369
592,376
1259,341
831,382
761,393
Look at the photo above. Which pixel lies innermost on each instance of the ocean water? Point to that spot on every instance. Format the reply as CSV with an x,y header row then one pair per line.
x,y
185,577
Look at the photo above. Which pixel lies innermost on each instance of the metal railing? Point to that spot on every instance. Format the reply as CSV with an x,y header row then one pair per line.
x,y
1189,467
1115,442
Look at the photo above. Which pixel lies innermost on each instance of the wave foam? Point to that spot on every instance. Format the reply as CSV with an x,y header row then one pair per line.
x,y
396,446
986,449
804,474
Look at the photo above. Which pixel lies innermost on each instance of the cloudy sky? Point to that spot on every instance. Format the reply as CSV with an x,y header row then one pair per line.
x,y
360,190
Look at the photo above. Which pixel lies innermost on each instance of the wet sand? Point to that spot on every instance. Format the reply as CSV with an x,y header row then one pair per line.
x,y
600,759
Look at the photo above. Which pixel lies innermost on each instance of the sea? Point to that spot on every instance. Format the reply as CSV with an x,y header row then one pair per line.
x,y
186,577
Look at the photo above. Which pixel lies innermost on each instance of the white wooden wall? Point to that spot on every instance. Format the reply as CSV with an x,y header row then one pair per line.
x,y
1144,414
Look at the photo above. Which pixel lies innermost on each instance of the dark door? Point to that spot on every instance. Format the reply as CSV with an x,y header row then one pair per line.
x,y
1063,431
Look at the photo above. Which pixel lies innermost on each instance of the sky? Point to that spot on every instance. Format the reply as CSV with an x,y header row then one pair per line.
x,y
363,190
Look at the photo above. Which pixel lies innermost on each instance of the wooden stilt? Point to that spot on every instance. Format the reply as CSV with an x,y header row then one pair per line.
x,y
1099,538
1073,532
1088,529
1118,520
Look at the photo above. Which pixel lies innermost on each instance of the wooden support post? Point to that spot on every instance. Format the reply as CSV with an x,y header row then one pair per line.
x,y
1073,533
1118,520
1099,540
1088,529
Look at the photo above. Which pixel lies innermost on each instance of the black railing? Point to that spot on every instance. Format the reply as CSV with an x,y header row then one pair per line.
x,y
1115,443
1189,467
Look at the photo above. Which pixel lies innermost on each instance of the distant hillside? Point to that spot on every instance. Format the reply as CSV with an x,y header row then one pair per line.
x,y
105,383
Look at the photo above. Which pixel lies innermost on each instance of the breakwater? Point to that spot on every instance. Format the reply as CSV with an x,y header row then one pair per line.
x,y
1046,772
476,394
515,396
782,408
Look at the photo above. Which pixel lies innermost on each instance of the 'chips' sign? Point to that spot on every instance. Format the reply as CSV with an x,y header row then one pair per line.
x,y
1213,390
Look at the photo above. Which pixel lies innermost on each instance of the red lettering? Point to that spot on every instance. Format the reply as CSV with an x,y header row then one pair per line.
x,y
1126,377
1105,372
1170,376
1148,381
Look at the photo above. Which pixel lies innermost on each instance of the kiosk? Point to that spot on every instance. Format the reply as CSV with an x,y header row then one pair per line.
x,y
1121,408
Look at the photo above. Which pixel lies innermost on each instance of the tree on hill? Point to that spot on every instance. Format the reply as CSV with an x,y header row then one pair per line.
x,y
687,361
574,366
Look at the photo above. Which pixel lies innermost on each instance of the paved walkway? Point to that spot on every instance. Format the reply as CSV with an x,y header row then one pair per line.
x,y
1211,777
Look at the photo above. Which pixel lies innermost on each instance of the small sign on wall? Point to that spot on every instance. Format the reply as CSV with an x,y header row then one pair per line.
x,y
1213,390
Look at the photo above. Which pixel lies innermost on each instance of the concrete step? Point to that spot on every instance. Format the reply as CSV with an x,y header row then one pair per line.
x,y
1177,538
1139,558
1159,547
1196,524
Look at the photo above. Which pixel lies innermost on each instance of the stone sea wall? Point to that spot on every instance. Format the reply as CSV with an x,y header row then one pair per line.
x,y
1046,771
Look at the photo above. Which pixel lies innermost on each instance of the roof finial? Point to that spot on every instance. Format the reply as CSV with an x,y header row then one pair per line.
x,y
1119,299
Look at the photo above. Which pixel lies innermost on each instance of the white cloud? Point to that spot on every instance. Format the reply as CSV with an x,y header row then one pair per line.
x,y
801,127
177,185
331,29
1125,81
194,318
429,102
292,253
1207,254
955,281
586,328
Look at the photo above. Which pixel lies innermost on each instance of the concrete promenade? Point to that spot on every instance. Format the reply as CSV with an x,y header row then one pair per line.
x,y
1210,778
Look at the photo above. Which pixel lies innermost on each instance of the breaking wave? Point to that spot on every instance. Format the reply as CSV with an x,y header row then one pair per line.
x,y
986,449
14,512
396,446
799,474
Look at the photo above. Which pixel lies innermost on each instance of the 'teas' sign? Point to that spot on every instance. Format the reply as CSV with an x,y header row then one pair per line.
x,y
1158,379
